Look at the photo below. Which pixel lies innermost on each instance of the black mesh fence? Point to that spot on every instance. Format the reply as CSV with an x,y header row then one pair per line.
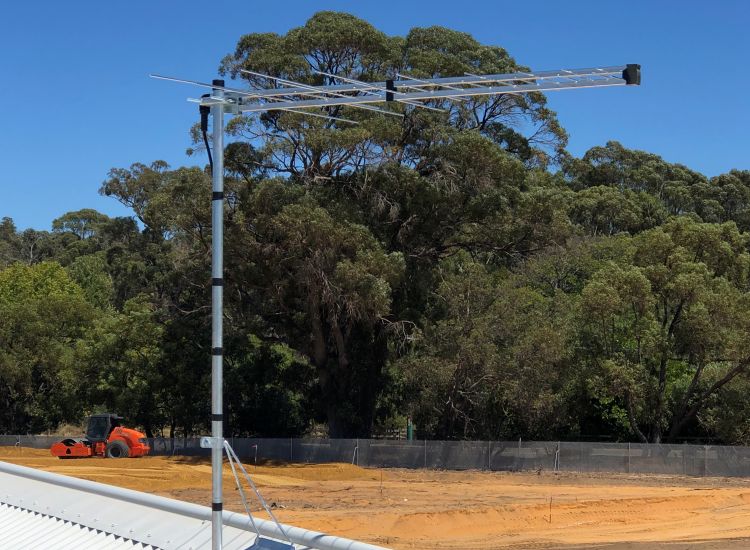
x,y
30,441
584,457
396,453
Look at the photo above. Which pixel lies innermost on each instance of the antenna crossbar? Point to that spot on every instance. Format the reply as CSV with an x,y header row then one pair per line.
x,y
317,92
428,95
352,85
367,87
410,90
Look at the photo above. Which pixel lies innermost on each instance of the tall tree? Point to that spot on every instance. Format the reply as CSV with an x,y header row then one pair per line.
x,y
43,316
339,43
665,323
491,361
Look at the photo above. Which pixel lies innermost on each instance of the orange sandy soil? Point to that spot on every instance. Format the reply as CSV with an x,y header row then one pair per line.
x,y
458,510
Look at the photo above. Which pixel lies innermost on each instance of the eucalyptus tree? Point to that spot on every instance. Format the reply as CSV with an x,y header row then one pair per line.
x,y
341,44
665,323
9,242
341,253
491,361
43,316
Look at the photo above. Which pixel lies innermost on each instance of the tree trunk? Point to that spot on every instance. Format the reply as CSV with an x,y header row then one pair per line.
x,y
679,423
319,352
632,420
333,384
336,424
659,409
682,416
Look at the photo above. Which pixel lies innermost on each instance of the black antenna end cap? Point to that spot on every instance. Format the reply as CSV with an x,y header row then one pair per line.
x,y
632,74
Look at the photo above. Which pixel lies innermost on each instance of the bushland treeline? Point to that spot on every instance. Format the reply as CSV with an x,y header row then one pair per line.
x,y
457,267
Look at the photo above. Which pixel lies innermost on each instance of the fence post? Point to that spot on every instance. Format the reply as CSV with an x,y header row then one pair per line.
x,y
291,450
425,453
705,460
489,456
684,459
518,456
628,456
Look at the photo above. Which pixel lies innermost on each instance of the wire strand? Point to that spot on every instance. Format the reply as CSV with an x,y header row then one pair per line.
x,y
208,150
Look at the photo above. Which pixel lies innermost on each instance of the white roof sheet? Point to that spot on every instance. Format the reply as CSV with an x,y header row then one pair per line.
x,y
35,514
21,528
41,510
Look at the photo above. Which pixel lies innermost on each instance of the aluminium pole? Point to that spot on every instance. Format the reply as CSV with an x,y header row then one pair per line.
x,y
217,296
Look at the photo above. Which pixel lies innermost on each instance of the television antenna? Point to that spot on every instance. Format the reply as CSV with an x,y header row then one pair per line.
x,y
296,97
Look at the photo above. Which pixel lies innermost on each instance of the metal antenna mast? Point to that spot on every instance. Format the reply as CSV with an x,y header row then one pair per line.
x,y
297,97
217,313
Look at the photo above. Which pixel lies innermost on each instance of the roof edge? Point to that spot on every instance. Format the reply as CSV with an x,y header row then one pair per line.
x,y
312,539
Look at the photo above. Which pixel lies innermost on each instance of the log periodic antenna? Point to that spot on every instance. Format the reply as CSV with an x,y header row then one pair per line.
x,y
408,90
208,99
318,93
298,98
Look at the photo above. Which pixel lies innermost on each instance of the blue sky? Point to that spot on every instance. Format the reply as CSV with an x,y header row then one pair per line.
x,y
76,100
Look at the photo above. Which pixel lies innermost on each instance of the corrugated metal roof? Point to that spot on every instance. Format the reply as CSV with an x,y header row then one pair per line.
x,y
41,510
35,514
25,529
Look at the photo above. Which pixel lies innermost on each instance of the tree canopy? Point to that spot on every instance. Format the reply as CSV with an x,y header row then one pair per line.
x,y
458,268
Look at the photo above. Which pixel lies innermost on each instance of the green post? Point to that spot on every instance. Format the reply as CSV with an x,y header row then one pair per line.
x,y
409,430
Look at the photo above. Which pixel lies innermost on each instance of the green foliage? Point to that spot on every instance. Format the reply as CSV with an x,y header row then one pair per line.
x,y
433,267
83,223
491,359
91,274
271,387
9,242
25,284
124,364
604,210
340,43
43,314
656,322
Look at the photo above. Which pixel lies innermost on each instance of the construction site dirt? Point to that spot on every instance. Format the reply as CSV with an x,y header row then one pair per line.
x,y
458,510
